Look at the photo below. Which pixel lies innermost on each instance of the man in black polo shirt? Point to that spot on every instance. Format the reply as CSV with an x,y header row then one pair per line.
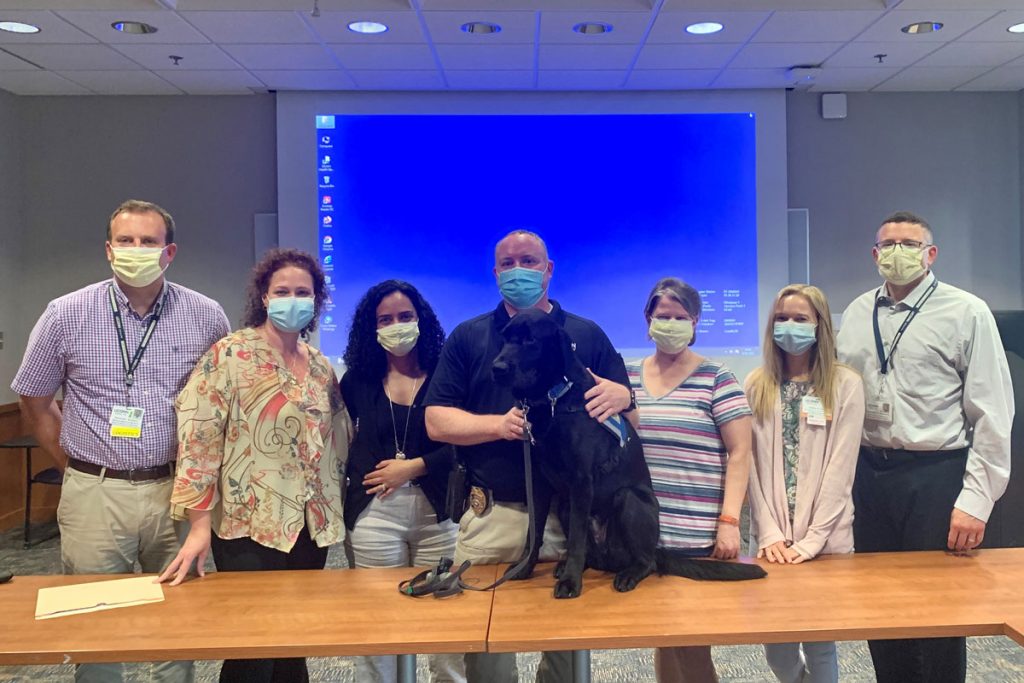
x,y
467,408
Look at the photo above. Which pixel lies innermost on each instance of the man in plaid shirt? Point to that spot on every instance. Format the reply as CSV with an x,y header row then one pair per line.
x,y
121,349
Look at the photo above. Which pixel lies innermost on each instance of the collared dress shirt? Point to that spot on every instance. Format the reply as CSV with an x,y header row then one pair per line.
x,y
948,382
74,345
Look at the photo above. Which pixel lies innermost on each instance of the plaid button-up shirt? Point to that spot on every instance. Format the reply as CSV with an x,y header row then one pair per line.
x,y
74,345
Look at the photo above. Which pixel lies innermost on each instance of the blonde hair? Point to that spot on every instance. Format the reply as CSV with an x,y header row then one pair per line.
x,y
765,381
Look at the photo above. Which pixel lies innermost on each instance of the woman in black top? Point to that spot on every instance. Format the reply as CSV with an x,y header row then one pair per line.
x,y
397,476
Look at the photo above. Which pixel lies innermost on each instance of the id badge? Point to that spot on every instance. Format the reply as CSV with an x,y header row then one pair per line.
x,y
879,408
813,410
126,422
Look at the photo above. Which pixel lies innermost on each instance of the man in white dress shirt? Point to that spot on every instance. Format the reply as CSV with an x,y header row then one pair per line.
x,y
935,453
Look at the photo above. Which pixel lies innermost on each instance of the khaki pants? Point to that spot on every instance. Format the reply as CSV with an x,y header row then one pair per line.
x,y
499,535
106,526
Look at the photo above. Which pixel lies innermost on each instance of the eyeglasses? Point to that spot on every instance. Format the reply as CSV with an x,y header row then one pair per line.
x,y
906,244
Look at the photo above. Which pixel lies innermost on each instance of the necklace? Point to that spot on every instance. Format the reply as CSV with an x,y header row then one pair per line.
x,y
400,450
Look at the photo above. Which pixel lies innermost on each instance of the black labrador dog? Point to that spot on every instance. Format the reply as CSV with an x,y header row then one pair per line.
x,y
607,505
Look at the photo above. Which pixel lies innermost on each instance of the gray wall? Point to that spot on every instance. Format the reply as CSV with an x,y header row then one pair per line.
x,y
11,230
954,158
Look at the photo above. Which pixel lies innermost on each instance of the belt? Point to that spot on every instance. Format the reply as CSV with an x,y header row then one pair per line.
x,y
132,475
895,456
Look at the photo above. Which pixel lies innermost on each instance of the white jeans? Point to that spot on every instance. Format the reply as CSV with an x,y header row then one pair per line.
x,y
401,530
803,662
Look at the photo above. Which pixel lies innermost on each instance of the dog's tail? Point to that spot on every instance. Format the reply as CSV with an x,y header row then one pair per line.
x,y
674,564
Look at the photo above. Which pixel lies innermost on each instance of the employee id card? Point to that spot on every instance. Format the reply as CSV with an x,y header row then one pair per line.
x,y
878,406
814,410
126,422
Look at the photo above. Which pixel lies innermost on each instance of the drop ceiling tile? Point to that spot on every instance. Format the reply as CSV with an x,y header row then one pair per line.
x,y
385,57
956,4
602,79
769,55
170,27
39,83
9,62
503,57
122,82
738,27
895,54
591,57
961,53
403,27
279,57
404,79
489,80
930,78
627,27
74,57
851,78
995,28
516,27
955,23
305,80
674,56
235,82
818,27
752,79
1003,78
671,79
53,29
193,57
251,27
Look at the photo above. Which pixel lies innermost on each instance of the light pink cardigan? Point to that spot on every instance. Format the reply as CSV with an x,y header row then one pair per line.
x,y
823,518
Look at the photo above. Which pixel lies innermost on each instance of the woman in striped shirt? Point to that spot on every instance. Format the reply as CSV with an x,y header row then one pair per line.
x,y
695,429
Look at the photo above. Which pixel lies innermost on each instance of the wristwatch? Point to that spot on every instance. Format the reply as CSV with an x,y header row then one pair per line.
x,y
632,400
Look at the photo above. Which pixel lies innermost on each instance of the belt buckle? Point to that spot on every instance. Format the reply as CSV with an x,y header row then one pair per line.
x,y
131,477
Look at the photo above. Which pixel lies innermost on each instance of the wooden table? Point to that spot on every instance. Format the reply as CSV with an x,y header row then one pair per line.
x,y
850,597
251,615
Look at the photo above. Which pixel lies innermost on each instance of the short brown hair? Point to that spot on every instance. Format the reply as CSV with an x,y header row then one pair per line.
x,y
139,206
676,289
909,217
259,284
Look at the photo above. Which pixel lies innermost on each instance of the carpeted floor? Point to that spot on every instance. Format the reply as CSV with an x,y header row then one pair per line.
x,y
990,660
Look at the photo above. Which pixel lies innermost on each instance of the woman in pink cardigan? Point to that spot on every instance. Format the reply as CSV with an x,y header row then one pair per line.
x,y
808,415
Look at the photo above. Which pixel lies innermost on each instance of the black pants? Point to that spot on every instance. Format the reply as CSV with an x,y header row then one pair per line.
x,y
246,555
904,502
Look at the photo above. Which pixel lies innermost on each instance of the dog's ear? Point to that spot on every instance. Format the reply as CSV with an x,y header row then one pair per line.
x,y
572,368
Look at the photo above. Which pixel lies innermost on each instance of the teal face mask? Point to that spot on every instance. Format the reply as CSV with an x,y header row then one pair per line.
x,y
794,338
521,287
289,313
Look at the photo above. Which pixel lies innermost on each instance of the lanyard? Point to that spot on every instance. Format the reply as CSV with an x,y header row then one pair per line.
x,y
122,343
883,362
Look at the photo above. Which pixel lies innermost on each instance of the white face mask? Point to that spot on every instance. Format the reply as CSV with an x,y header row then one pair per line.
x,y
137,266
901,265
400,338
671,336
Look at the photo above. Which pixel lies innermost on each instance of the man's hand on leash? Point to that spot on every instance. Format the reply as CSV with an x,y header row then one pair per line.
x,y
510,425
966,532
606,399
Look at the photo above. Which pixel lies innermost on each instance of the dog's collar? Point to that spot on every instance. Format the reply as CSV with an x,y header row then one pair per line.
x,y
616,424
558,391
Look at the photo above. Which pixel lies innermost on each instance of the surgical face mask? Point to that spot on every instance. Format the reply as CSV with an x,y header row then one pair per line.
x,y
399,339
290,313
901,265
521,287
137,266
671,336
793,337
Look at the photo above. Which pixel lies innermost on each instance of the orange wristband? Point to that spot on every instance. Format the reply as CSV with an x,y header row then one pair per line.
x,y
726,519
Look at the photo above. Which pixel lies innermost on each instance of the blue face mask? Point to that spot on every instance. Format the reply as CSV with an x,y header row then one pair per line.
x,y
521,287
794,338
289,313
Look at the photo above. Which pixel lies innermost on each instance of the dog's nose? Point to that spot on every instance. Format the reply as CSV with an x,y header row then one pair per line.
x,y
500,370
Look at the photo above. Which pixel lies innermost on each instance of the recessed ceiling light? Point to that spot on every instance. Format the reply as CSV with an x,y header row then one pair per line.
x,y
592,28
134,27
367,27
1016,28
922,27
480,27
18,27
704,28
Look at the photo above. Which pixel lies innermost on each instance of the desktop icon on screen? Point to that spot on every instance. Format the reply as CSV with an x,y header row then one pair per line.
x,y
328,220
326,160
325,139
328,260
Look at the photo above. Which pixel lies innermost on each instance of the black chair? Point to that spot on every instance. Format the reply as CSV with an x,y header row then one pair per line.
x,y
51,476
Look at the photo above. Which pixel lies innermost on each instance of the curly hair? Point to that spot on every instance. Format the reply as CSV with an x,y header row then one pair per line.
x,y
365,357
259,284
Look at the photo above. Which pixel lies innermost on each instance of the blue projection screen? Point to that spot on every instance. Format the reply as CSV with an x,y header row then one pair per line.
x,y
621,200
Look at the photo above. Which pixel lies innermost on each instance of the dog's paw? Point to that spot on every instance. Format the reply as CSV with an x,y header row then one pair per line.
x,y
568,587
626,581
523,573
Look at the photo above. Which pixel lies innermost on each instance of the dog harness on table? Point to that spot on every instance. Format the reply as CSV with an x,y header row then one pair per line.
x,y
616,424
